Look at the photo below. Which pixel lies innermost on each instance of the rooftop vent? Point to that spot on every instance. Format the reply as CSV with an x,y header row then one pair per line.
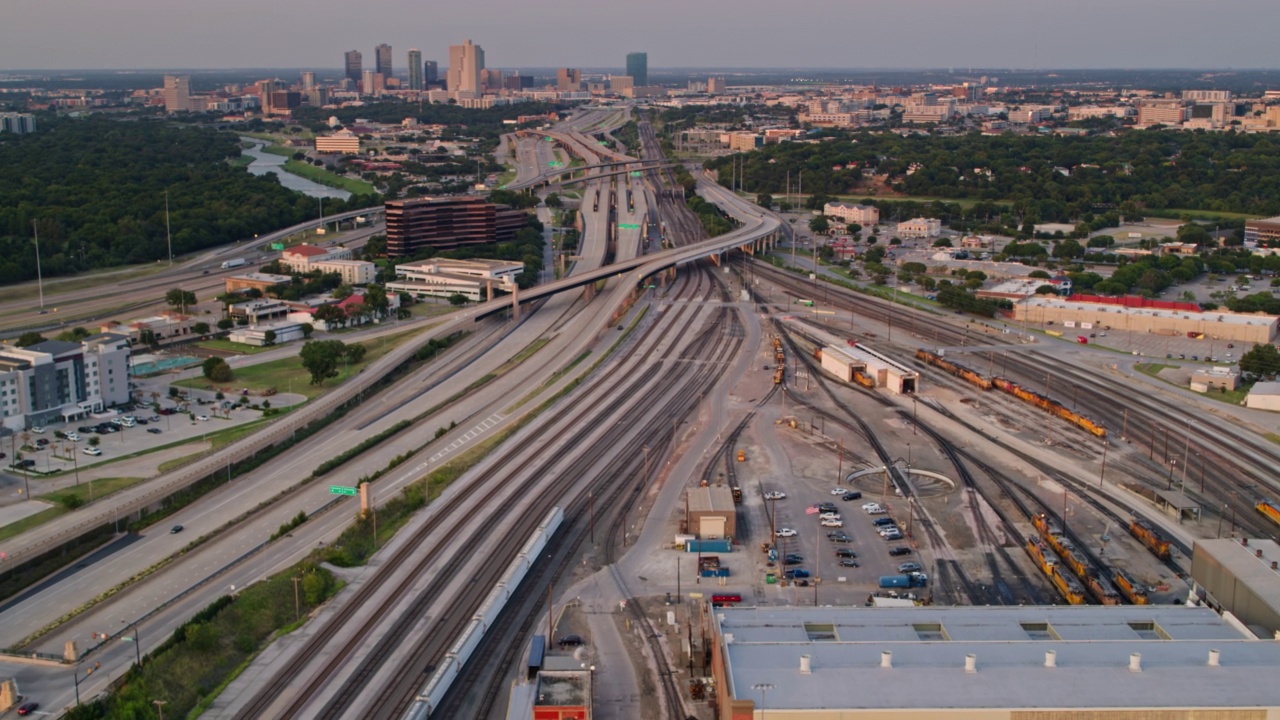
x,y
1050,658
1135,662
1214,656
971,663
804,665
886,659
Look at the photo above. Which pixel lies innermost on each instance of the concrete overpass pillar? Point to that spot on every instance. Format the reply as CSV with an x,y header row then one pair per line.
x,y
589,292
515,302
488,289
715,259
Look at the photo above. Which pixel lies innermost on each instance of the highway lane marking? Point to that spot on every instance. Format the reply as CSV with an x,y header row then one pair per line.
x,y
471,434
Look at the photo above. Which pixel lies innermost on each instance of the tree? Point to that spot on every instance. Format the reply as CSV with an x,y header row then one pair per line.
x,y
216,370
180,299
819,224
75,334
225,324
201,328
330,315
764,200
375,297
269,337
1068,249
354,353
148,338
1046,290
942,242
94,441
307,329
320,358
553,201
457,299
1261,360
343,291
29,338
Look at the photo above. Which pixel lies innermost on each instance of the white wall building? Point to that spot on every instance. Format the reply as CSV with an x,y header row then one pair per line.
x,y
865,215
57,380
920,228
439,277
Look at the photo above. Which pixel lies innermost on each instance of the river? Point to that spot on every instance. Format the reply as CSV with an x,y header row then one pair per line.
x,y
265,162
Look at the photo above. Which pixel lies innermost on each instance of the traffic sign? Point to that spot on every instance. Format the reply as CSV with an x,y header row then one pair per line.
x,y
635,173
342,490
629,226
554,163
277,246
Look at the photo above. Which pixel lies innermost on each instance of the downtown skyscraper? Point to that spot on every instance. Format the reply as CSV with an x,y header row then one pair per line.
x,y
382,61
415,70
465,63
638,68
354,62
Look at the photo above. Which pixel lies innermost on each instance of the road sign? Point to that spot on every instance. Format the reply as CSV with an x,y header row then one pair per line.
x,y
341,490
628,226
554,163
277,246
635,173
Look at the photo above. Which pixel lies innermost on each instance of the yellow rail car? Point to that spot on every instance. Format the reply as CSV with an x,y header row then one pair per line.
x,y
1067,585
1150,537
1132,591
1269,509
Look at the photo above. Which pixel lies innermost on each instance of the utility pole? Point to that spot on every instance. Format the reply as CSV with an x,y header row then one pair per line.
x,y
39,277
1103,472
167,233
297,605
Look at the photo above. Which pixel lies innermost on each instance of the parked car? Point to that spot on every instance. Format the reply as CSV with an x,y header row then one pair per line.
x,y
849,563
909,567
154,418
832,522
202,418
775,495
837,491
886,520
870,506
73,437
852,495
41,442
827,507
570,641
39,430
792,559
154,431
897,551
796,573
887,530
829,516
875,510
84,429
786,533
846,553
92,451
895,535
840,537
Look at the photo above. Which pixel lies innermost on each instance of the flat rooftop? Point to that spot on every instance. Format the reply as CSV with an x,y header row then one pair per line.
x,y
713,498
929,646
1250,564
562,688
1121,312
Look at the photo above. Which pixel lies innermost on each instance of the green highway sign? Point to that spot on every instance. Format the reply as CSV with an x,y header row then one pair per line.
x,y
601,142
635,173
629,226
277,246
341,490
555,163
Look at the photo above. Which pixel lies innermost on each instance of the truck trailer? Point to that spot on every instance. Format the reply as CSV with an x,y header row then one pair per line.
x,y
909,580
232,263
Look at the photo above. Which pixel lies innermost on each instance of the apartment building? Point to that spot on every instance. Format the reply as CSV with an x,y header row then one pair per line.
x,y
920,228
861,214
1161,112
343,141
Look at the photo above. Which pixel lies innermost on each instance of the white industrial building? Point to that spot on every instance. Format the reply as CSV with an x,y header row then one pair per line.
x,y
285,331
442,277
843,362
1264,396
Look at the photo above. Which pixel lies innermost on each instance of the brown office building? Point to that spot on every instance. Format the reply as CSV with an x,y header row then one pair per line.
x,y
447,223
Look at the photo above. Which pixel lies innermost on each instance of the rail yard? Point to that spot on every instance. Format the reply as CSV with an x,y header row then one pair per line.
x,y
705,455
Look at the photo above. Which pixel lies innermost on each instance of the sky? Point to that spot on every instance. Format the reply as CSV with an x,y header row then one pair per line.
x,y
1018,34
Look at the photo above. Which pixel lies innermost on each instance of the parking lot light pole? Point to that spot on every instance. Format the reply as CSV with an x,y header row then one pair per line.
x,y
763,688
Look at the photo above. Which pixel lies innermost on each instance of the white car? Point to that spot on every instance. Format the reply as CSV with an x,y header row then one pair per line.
x,y
829,516
92,451
39,430
832,522
868,506
786,533
202,418
888,530
775,495
73,437
875,510
838,491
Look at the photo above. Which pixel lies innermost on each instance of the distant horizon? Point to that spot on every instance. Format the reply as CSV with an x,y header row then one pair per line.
x,y
400,69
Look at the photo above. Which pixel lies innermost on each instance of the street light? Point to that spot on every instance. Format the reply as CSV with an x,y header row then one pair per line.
x,y
136,640
763,688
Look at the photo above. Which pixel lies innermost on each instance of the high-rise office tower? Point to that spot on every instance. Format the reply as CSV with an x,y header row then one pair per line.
x,y
568,80
638,68
382,60
366,82
353,61
465,63
415,70
177,93
308,81
430,71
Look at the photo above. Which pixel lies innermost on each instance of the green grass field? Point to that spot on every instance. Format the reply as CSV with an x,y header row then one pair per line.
x,y
325,177
101,488
228,346
279,150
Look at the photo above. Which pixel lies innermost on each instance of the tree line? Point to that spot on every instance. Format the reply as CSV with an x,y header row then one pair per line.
x,y
1126,172
95,188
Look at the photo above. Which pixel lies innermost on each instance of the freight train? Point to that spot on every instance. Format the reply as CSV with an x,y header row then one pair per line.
x,y
956,369
864,380
1047,404
1132,591
1066,584
1269,509
1149,536
1077,561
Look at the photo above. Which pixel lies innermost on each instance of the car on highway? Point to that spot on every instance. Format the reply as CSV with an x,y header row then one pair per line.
x,y
851,495
175,529
838,491
849,563
28,708
900,551
775,495
154,431
92,451
909,567
786,533
832,522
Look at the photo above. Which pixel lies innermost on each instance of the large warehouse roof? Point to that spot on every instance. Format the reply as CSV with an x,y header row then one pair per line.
x,y
929,646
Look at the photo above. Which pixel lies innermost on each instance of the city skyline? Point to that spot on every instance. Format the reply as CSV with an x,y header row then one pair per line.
x,y
139,34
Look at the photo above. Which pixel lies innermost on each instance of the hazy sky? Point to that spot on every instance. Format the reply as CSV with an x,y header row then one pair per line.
x,y
165,34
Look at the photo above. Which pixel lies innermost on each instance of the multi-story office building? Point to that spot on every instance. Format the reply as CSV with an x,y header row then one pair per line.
x,y
1161,112
446,223
382,60
56,380
1264,232
465,63
715,86
308,81
568,80
920,228
638,68
860,214
1207,95
177,93
17,123
490,80
354,65
415,70
430,71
